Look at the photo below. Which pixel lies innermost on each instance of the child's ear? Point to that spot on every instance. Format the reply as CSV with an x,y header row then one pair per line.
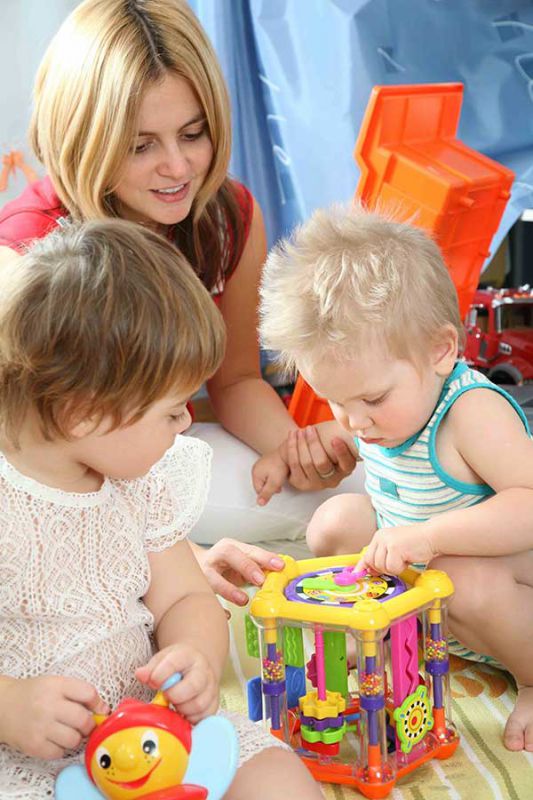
x,y
444,350
82,428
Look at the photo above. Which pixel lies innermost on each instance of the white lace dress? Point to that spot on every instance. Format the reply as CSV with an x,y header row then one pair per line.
x,y
73,570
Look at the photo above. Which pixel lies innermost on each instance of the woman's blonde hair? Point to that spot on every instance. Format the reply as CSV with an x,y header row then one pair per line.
x,y
101,319
87,96
348,277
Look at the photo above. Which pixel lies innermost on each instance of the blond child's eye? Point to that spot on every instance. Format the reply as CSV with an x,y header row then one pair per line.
x,y
376,401
177,417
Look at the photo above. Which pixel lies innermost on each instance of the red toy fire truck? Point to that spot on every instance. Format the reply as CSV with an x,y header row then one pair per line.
x,y
499,334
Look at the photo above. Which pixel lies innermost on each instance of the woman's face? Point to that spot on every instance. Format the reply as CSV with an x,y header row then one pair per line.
x,y
171,155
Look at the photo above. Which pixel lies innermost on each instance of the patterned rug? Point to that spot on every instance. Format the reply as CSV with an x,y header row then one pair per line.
x,y
481,769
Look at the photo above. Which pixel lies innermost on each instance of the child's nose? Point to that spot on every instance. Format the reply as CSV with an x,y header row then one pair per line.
x,y
359,422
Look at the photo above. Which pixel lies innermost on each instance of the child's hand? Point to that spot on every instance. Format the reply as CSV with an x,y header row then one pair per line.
x,y
391,550
269,474
43,717
196,695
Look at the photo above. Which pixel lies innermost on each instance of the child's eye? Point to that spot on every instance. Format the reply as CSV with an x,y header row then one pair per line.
x,y
376,400
177,417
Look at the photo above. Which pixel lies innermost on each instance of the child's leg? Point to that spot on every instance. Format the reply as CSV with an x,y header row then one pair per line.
x,y
492,613
272,774
343,524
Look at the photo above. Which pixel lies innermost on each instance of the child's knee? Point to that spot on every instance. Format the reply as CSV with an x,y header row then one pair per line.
x,y
343,524
324,532
272,773
473,580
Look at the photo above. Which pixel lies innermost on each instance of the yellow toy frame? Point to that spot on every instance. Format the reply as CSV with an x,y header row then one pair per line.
x,y
400,719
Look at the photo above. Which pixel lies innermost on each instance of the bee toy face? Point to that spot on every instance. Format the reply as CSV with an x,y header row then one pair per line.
x,y
140,749
136,761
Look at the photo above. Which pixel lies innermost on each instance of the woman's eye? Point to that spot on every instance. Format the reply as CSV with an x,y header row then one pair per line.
x,y
192,136
142,148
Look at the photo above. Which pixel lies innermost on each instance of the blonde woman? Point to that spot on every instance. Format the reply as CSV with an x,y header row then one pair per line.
x,y
131,119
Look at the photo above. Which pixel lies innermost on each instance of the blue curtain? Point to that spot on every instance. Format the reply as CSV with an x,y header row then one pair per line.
x,y
300,74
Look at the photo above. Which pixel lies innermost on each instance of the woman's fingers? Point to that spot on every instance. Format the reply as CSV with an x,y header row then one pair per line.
x,y
320,460
346,460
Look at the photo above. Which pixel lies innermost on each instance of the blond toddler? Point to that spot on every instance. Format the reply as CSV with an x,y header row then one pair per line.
x,y
364,308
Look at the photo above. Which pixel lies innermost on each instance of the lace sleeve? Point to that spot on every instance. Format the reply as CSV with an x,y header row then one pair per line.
x,y
176,492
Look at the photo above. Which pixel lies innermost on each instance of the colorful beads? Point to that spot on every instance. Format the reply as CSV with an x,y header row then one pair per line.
x,y
371,684
436,649
273,668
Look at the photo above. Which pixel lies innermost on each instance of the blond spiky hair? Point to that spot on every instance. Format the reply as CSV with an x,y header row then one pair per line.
x,y
349,276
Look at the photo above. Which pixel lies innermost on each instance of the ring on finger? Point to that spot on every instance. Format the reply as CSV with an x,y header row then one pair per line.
x,y
328,474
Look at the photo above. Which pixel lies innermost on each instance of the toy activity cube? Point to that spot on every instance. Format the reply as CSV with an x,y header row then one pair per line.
x,y
369,726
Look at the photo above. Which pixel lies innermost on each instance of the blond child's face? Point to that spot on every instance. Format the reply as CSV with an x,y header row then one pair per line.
x,y
131,450
171,156
377,397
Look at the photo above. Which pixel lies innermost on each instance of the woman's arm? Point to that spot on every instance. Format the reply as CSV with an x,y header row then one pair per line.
x,y
245,404
248,407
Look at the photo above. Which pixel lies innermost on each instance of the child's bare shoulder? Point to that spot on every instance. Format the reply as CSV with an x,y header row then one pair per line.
x,y
482,408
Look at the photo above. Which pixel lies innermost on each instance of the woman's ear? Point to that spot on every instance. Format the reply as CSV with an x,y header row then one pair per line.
x,y
444,350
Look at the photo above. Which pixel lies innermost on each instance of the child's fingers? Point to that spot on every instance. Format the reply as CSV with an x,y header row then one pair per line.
x,y
80,691
269,489
178,658
200,706
77,717
258,480
193,685
64,737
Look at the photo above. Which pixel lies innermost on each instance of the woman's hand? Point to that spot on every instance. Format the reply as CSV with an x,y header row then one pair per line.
x,y
230,563
318,461
43,717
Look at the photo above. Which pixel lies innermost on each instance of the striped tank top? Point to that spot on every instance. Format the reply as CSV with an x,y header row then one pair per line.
x,y
407,483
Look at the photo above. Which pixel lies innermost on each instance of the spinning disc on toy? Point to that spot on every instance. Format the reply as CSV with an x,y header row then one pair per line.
x,y
413,719
320,587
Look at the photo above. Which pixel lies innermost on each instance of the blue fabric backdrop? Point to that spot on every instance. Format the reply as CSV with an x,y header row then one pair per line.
x,y
300,73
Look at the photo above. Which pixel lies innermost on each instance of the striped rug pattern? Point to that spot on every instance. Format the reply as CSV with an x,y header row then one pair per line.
x,y
481,769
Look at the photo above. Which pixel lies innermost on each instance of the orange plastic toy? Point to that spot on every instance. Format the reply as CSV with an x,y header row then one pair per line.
x,y
410,158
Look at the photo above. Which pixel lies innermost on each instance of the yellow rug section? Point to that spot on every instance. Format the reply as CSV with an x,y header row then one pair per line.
x,y
481,769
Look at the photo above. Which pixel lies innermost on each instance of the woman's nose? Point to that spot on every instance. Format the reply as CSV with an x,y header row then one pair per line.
x,y
174,163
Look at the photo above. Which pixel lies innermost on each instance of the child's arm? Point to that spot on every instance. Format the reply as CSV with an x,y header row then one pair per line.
x,y
190,630
491,439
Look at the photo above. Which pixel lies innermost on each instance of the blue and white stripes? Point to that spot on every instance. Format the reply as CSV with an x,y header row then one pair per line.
x,y
407,483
